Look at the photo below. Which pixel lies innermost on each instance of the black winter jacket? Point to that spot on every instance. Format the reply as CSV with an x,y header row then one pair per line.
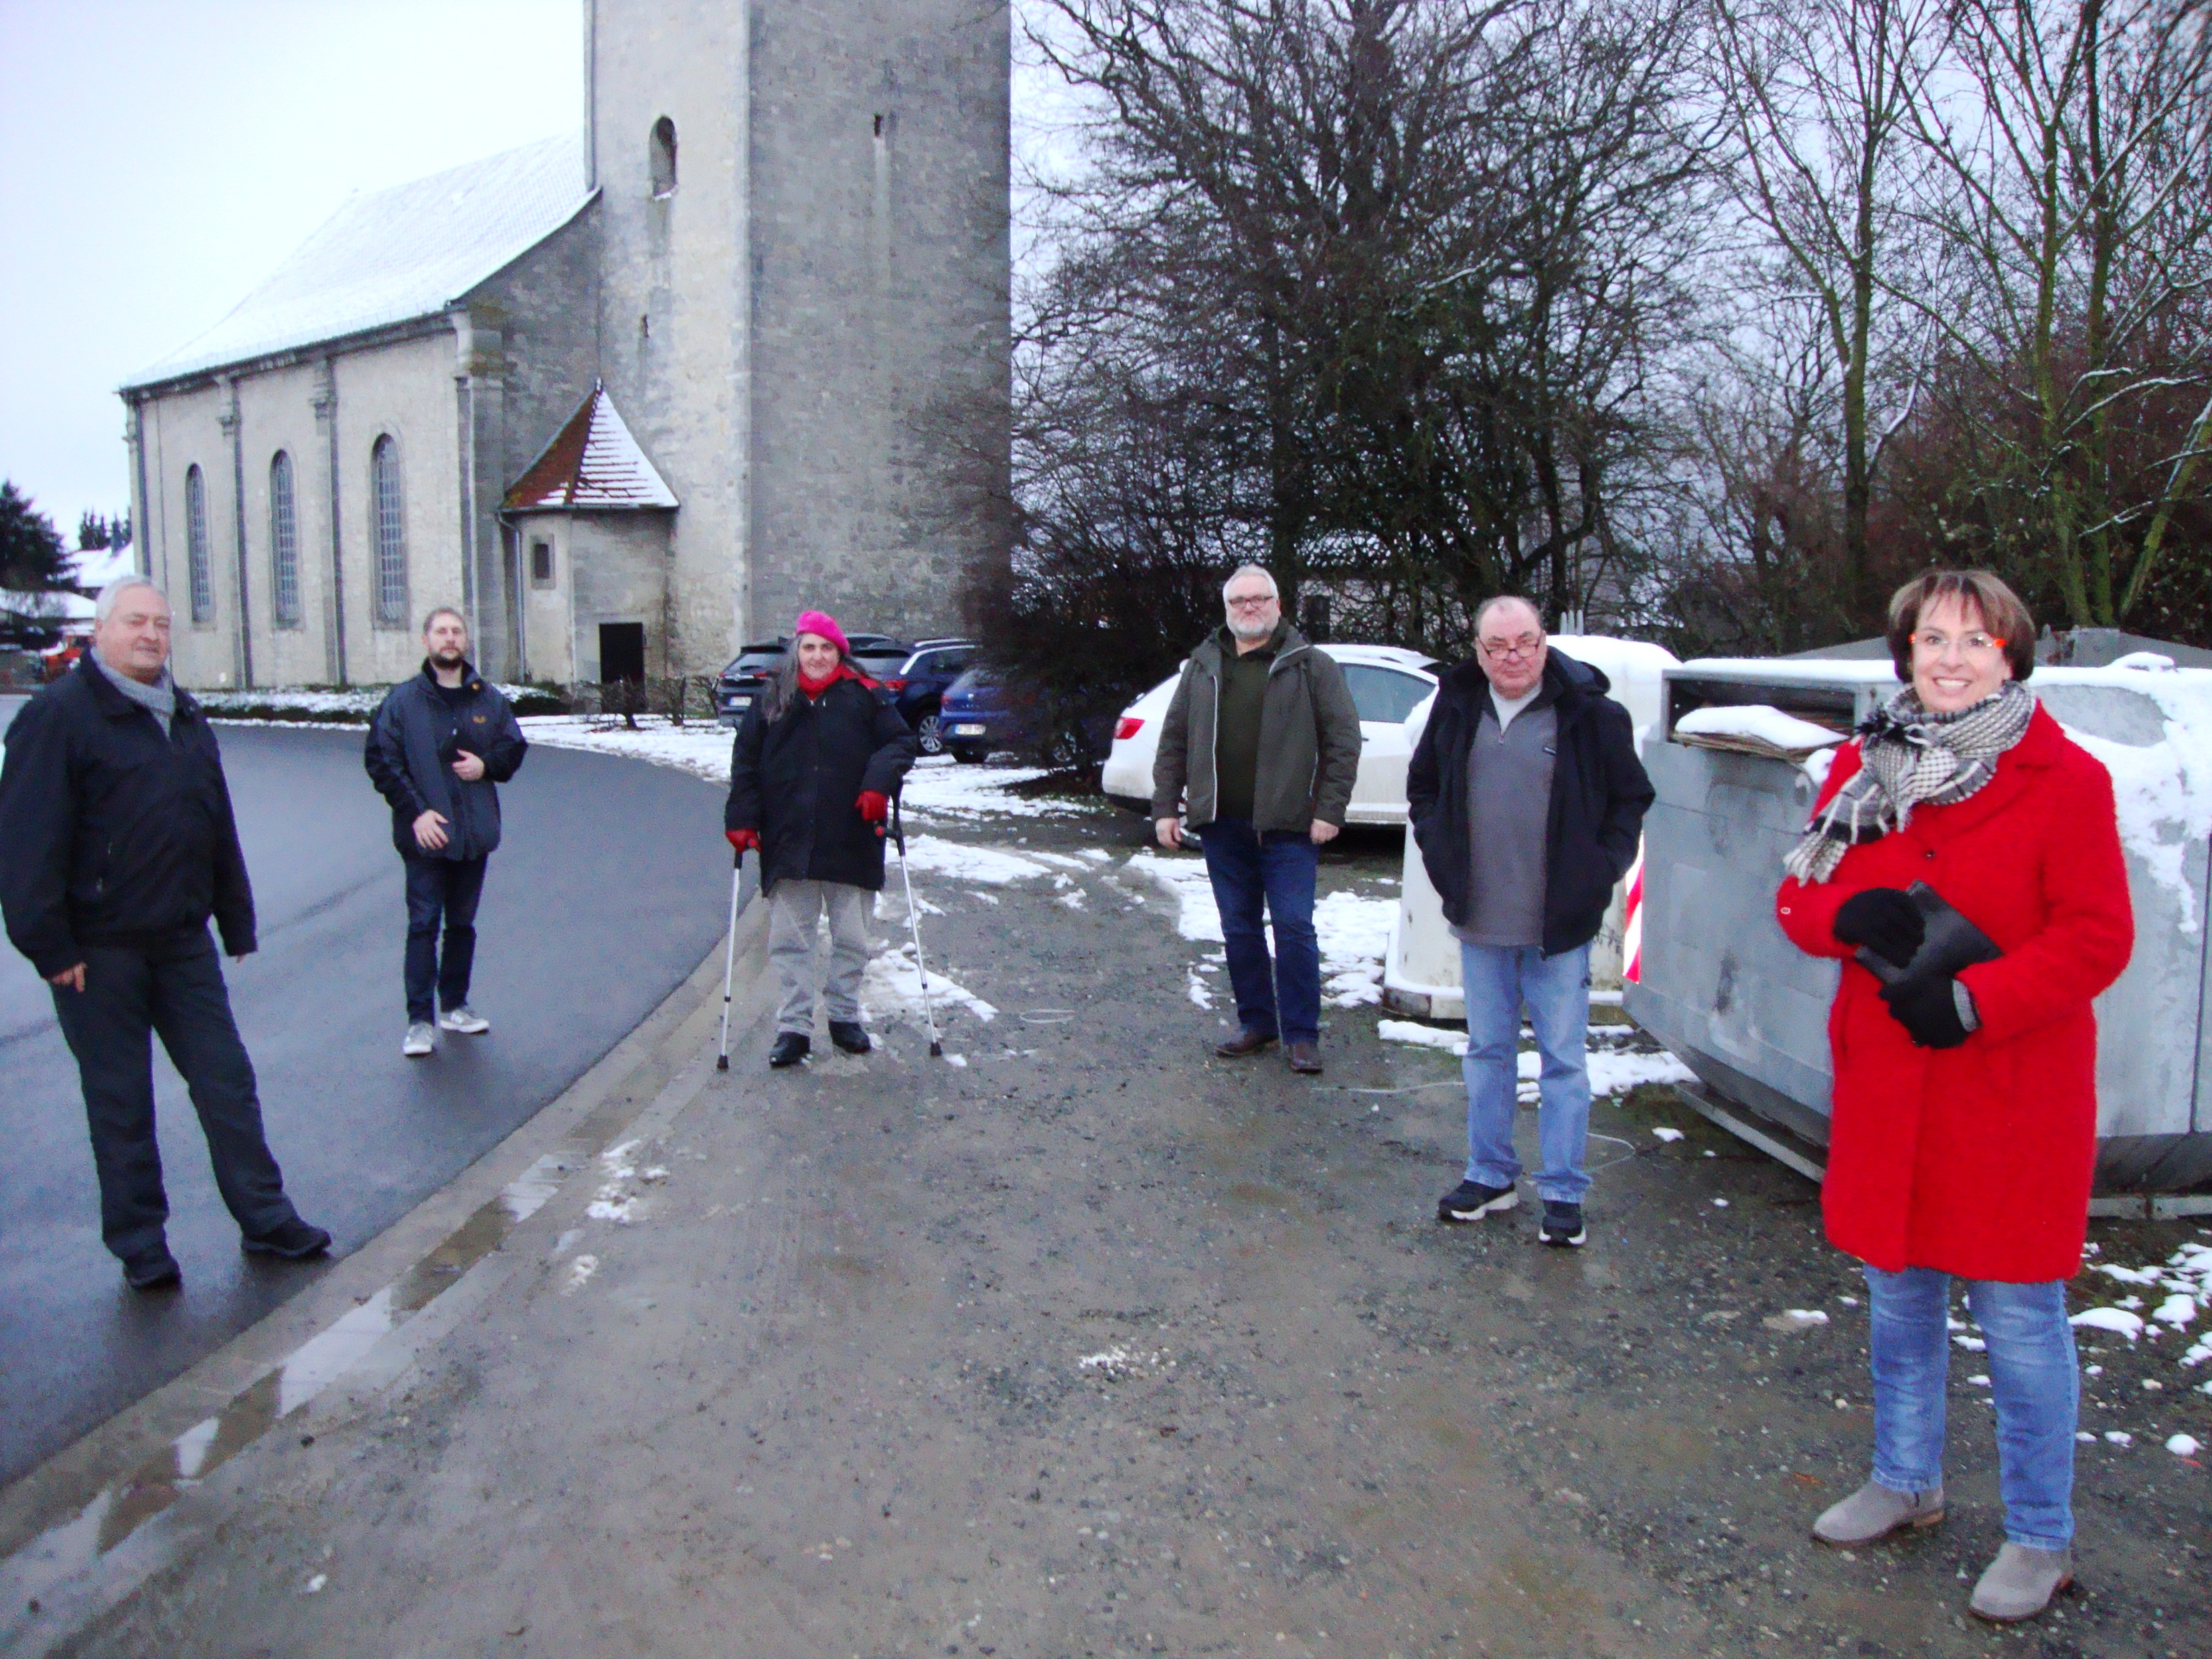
x,y
797,781
1599,795
113,831
410,753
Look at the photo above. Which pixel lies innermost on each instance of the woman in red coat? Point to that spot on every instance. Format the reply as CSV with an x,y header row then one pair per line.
x,y
1964,1125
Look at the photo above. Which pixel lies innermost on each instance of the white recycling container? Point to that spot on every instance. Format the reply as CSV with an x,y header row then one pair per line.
x,y
1725,989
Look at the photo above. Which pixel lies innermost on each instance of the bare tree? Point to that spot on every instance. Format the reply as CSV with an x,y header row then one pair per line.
x,y
1823,97
2076,213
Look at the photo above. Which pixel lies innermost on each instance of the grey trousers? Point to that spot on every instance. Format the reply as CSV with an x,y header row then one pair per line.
x,y
795,909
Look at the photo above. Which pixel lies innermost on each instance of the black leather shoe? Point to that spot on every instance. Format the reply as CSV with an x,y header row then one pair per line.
x,y
1243,1043
791,1048
849,1035
1304,1057
152,1268
293,1240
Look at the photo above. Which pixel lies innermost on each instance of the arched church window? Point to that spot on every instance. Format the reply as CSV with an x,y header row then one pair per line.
x,y
664,157
388,524
195,545
284,542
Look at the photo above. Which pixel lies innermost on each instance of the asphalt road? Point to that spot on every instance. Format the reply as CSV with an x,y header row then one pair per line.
x,y
611,884
1079,1341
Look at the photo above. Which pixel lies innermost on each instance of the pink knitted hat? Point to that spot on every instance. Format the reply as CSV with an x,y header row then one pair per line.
x,y
822,623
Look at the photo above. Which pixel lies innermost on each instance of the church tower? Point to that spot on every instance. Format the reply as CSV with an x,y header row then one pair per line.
x,y
804,298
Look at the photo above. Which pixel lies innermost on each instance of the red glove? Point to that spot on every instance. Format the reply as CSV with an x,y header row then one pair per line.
x,y
875,805
744,841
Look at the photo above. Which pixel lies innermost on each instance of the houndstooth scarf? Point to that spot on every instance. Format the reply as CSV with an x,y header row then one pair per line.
x,y
1910,758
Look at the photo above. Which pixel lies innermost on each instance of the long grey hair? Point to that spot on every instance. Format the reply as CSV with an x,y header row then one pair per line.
x,y
783,684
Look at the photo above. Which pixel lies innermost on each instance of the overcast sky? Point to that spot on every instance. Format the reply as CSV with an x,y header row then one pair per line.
x,y
158,157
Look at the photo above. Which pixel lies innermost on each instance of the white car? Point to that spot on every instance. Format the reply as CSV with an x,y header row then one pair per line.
x,y
1387,685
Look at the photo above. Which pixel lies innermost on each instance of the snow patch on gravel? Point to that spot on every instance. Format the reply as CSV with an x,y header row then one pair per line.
x,y
893,985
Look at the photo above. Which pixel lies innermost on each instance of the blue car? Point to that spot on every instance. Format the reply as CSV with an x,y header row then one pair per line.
x,y
921,681
975,715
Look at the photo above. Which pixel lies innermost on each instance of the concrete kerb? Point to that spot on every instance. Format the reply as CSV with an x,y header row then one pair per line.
x,y
427,1264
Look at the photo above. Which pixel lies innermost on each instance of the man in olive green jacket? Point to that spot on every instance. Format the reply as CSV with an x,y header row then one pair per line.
x,y
1262,741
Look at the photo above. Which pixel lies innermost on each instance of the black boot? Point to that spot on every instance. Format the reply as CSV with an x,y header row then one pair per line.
x,y
791,1048
849,1035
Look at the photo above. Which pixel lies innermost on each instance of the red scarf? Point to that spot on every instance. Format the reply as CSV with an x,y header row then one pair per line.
x,y
814,688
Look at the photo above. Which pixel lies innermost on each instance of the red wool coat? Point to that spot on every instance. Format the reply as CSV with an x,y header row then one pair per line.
x,y
1975,1160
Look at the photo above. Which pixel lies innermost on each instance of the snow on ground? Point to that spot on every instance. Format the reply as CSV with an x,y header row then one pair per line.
x,y
939,787
1185,881
936,787
1354,930
700,748
958,861
892,985
1355,934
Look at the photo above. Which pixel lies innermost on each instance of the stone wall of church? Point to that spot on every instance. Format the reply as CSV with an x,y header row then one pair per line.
x,y
880,305
533,353
402,390
674,283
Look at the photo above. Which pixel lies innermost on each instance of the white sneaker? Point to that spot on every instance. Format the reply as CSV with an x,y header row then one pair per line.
x,y
420,1040
464,1020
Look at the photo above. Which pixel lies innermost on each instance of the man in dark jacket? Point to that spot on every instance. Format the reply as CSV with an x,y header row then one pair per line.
x,y
1262,739
813,771
1526,797
440,745
117,844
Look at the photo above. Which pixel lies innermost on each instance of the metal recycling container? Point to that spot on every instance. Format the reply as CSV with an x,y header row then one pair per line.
x,y
1747,1011
1420,969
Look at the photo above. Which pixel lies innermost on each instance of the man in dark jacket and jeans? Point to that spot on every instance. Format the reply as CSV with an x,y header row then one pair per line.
x,y
440,745
117,844
1262,739
1526,797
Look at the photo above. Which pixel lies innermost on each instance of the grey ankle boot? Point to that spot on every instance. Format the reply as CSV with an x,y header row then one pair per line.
x,y
1874,1511
2021,1581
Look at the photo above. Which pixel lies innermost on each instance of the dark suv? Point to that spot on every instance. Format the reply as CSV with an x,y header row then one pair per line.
x,y
920,684
746,678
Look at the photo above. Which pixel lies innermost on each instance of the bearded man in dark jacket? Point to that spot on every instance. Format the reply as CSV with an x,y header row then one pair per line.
x,y
811,773
117,844
1527,798
439,747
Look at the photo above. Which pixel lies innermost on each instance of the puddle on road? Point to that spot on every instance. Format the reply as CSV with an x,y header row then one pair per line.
x,y
76,1545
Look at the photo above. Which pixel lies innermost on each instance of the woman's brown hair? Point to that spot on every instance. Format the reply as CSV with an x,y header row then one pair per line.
x,y
1981,591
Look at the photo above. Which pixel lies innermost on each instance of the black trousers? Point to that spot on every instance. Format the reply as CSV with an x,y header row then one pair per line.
x,y
175,988
447,889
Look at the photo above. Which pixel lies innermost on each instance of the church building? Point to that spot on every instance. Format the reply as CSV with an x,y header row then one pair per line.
x,y
628,400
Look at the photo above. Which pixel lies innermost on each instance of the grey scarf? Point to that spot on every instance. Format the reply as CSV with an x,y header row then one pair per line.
x,y
158,699
1910,758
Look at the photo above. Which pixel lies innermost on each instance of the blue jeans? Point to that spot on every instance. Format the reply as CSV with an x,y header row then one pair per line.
x,y
447,889
2033,1374
1498,979
1281,997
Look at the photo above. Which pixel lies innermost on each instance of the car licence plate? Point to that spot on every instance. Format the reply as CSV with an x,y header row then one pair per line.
x,y
967,731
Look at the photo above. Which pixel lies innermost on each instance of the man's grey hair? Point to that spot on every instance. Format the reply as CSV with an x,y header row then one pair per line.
x,y
1243,570
1483,611
437,611
111,596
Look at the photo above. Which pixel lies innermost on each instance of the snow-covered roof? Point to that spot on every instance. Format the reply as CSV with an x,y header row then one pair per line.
x,y
592,464
394,255
93,568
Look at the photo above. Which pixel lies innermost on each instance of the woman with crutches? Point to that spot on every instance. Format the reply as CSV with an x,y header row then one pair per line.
x,y
816,759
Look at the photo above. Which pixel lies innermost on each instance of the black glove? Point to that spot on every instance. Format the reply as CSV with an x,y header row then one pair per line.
x,y
1885,920
1927,1009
